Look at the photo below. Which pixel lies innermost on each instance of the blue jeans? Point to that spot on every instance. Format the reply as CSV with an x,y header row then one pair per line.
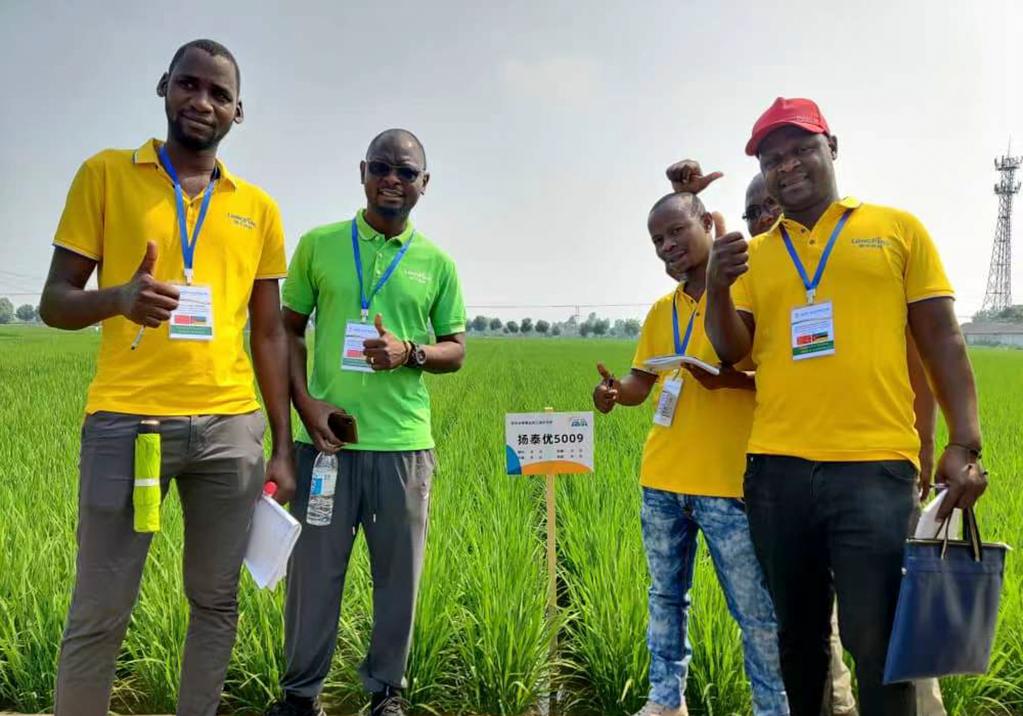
x,y
670,524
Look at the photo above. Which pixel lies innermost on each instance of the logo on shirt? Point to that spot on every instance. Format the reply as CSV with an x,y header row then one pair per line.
x,y
242,221
874,242
418,276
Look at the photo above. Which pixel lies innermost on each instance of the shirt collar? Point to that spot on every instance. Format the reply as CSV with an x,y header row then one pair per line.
x,y
148,153
839,207
680,292
368,233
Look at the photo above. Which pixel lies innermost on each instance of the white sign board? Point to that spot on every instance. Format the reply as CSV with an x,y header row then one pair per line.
x,y
548,443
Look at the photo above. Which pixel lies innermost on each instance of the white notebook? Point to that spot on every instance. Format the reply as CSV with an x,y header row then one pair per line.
x,y
273,536
659,364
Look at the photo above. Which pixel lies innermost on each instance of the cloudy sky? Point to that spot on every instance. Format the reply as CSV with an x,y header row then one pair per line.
x,y
547,124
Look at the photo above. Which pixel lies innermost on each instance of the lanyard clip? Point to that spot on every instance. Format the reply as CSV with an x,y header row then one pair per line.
x,y
365,314
810,293
188,276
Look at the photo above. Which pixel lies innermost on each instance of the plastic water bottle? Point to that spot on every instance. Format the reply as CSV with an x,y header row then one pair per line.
x,y
321,491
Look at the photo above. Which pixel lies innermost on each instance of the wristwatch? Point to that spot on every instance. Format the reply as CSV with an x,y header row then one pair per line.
x,y
416,356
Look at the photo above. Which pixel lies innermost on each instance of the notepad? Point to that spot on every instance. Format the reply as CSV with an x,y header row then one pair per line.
x,y
929,528
271,539
660,364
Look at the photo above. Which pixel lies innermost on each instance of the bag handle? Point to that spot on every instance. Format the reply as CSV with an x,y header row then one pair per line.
x,y
971,537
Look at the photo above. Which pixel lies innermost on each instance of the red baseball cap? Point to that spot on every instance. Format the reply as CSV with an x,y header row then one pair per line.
x,y
802,113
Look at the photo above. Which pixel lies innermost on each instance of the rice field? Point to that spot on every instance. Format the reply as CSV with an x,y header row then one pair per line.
x,y
482,638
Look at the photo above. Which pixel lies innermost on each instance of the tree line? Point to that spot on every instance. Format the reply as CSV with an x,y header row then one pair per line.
x,y
592,326
26,313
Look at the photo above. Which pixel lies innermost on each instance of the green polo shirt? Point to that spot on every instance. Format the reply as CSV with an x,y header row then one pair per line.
x,y
392,408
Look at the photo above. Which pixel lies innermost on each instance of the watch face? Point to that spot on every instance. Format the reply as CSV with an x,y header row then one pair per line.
x,y
419,356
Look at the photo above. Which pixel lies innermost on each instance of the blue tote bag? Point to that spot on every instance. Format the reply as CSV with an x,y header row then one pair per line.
x,y
948,606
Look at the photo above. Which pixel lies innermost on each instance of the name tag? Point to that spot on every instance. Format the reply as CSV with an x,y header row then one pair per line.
x,y
667,402
352,356
193,318
813,331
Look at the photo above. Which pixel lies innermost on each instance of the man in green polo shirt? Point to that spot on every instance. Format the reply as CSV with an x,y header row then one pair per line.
x,y
380,290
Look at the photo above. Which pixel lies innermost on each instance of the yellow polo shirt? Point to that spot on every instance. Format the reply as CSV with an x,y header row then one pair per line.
x,y
119,200
703,452
855,405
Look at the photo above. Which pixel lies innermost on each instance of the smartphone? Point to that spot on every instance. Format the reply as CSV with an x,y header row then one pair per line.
x,y
344,428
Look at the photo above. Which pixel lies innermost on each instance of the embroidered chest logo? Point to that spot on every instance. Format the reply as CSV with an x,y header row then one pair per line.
x,y
418,276
242,221
874,242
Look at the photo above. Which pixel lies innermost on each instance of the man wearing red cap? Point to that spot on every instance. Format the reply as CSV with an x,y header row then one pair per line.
x,y
822,302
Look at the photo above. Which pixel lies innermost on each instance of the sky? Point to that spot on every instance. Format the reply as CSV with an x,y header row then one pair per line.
x,y
547,125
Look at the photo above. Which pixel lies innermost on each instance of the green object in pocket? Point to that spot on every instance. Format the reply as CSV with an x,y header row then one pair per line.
x,y
146,495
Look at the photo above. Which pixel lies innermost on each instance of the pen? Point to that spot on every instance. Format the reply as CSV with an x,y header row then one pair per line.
x,y
138,338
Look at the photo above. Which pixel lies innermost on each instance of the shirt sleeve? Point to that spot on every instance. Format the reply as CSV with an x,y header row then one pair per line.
x,y
447,316
742,294
924,274
81,225
300,292
646,347
272,261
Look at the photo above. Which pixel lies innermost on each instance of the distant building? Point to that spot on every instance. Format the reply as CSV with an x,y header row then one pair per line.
x,y
988,333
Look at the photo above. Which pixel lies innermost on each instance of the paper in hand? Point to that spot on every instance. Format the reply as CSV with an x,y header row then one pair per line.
x,y
271,539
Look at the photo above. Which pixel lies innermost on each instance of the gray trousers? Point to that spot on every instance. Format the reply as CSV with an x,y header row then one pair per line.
x,y
388,495
217,462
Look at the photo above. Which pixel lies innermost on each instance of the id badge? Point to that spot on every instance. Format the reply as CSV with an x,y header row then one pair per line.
x,y
192,320
352,356
813,331
668,401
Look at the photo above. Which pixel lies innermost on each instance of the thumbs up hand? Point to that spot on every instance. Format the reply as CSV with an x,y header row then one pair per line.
x,y
144,300
687,176
385,352
729,256
605,395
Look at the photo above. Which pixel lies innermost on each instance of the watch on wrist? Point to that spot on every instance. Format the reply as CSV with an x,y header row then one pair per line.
x,y
416,356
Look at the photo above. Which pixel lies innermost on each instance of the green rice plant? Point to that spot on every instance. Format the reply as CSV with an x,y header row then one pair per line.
x,y
482,635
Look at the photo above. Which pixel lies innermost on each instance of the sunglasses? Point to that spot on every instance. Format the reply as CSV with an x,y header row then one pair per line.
x,y
755,211
381,169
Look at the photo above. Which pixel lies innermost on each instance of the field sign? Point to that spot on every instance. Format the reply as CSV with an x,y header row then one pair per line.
x,y
548,443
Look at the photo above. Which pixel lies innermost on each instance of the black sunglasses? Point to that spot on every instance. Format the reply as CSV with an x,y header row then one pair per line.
x,y
382,169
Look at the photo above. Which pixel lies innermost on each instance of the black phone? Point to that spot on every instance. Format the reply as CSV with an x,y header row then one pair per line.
x,y
344,428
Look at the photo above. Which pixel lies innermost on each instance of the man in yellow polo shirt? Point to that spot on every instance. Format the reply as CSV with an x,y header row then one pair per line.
x,y
692,471
822,302
760,214
186,253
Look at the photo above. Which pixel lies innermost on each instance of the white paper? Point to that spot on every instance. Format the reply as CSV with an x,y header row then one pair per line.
x,y
660,364
928,527
813,331
352,356
271,539
666,404
193,318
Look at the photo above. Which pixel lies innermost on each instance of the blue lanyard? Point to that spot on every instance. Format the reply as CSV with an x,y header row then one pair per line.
x,y
681,345
363,298
187,248
811,286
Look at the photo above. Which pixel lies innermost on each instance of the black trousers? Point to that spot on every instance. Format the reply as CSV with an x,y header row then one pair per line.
x,y
822,529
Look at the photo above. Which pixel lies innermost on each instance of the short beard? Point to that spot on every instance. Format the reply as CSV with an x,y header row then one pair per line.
x,y
390,213
189,142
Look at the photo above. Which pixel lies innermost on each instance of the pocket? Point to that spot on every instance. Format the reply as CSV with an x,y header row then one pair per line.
x,y
255,423
424,465
754,467
107,472
902,471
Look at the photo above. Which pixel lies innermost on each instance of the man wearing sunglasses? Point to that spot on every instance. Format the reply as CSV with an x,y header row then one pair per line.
x,y
381,291
761,213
